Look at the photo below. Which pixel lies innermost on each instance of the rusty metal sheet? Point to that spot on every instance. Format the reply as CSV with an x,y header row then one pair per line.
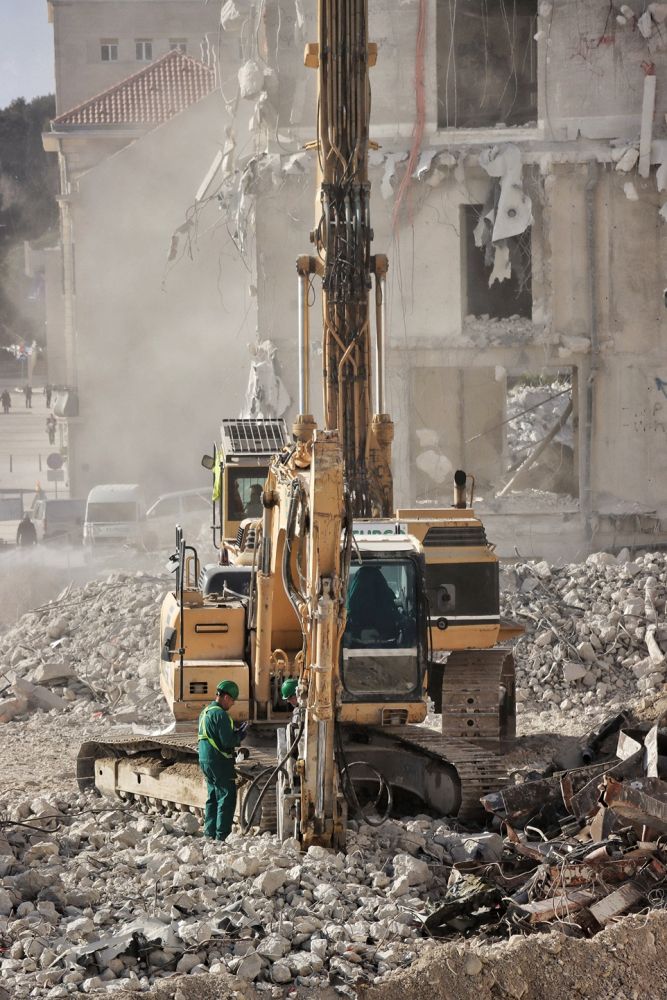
x,y
518,803
626,896
572,782
627,746
615,903
585,802
642,801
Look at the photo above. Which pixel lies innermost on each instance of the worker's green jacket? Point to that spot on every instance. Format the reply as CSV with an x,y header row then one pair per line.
x,y
217,738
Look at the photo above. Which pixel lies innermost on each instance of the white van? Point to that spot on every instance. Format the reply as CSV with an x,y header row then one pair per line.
x,y
192,509
115,513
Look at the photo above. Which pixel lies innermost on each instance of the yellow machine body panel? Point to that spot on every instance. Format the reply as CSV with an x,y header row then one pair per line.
x,y
210,631
198,679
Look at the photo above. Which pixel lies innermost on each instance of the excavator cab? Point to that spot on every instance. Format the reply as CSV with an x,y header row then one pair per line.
x,y
240,467
383,654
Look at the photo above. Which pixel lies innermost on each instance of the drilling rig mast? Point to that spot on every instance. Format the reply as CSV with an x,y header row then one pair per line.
x,y
342,237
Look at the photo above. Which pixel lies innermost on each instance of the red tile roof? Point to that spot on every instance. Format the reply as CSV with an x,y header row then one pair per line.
x,y
153,95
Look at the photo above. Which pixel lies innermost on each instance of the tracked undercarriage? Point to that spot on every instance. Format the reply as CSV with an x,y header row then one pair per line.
x,y
443,773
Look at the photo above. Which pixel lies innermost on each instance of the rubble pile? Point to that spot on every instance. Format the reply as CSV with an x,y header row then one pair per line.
x,y
112,899
595,635
92,644
546,403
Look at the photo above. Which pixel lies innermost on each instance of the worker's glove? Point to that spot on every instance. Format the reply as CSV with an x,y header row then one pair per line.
x,y
241,731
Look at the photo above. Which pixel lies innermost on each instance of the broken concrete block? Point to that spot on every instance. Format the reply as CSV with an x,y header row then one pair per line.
x,y
270,881
628,159
246,865
586,652
58,628
52,673
249,967
280,972
39,696
416,872
274,947
11,707
251,79
573,671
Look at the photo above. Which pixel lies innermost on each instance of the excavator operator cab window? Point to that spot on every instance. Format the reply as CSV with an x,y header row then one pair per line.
x,y
244,492
380,654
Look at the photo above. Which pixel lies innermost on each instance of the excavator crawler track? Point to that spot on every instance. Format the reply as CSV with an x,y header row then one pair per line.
x,y
478,770
478,697
162,772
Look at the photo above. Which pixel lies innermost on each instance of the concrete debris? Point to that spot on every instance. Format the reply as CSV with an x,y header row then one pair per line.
x,y
645,24
502,269
630,191
658,12
251,79
98,896
231,18
386,185
592,644
106,635
266,395
514,212
130,910
628,159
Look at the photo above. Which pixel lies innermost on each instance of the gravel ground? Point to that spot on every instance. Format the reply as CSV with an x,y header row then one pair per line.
x,y
255,917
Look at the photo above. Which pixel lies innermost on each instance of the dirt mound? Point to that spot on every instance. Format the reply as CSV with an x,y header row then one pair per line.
x,y
623,962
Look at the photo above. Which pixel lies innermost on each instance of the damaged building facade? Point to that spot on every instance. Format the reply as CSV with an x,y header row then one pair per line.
x,y
518,189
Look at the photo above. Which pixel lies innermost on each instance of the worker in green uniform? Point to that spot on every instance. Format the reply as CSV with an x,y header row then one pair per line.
x,y
218,739
288,691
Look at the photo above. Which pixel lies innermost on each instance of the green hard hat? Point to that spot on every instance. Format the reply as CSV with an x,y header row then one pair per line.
x,y
228,687
289,687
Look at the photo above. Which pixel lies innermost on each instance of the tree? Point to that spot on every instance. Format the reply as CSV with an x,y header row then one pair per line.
x,y
28,207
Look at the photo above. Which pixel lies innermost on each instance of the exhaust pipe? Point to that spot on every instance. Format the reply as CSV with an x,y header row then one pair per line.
x,y
460,480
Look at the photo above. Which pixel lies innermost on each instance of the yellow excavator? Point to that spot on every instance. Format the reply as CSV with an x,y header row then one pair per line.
x,y
319,578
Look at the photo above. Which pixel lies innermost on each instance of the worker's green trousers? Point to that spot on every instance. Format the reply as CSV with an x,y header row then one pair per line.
x,y
221,801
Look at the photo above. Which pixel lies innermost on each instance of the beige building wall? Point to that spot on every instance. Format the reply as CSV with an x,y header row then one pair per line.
x,y
597,244
81,26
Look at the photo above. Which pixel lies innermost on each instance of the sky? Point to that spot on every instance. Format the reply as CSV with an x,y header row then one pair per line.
x,y
26,50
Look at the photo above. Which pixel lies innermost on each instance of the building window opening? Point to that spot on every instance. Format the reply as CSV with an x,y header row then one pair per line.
x,y
497,276
487,63
109,50
144,49
178,45
541,434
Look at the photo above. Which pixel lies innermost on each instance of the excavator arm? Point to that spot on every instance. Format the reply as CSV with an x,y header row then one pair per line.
x,y
342,237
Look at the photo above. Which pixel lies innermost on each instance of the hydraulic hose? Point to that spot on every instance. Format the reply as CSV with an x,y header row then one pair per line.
x,y
348,785
247,823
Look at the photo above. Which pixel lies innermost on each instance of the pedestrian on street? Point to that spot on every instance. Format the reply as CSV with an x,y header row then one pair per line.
x,y
6,401
26,534
51,428
48,389
28,397
218,739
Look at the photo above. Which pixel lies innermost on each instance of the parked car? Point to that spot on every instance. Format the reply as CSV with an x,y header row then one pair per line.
x,y
115,513
192,509
59,520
